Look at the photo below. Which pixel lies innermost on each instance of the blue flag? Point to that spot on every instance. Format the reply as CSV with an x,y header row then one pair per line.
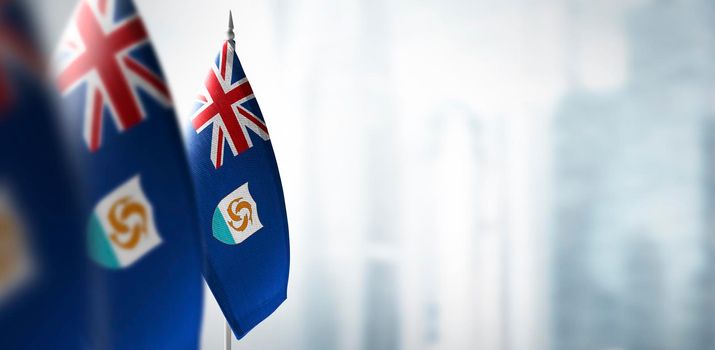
x,y
145,271
41,248
241,210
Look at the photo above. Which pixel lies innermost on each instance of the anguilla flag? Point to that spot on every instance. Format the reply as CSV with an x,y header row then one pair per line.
x,y
241,210
139,213
42,290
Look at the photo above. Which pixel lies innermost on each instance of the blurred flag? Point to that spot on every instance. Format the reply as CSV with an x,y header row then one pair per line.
x,y
242,213
41,246
145,275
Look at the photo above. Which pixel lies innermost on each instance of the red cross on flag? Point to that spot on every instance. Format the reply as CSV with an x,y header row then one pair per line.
x,y
95,52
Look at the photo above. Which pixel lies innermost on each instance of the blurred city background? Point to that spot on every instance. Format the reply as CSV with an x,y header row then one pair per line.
x,y
482,174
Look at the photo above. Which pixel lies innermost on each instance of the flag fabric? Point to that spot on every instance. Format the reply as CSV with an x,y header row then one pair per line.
x,y
241,210
139,210
42,280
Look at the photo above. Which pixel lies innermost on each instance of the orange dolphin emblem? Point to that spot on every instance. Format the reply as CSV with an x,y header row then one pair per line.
x,y
234,210
118,215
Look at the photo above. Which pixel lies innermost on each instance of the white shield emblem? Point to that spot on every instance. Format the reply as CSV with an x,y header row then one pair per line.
x,y
122,229
236,217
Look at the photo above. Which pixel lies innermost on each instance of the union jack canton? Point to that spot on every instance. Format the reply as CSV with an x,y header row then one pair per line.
x,y
103,50
226,102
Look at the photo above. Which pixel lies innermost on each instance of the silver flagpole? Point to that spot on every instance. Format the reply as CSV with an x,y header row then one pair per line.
x,y
228,335
230,32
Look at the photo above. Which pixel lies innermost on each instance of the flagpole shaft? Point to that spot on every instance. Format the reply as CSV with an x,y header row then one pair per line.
x,y
227,336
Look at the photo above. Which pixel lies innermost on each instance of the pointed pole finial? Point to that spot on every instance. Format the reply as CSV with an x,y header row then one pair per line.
x,y
230,32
